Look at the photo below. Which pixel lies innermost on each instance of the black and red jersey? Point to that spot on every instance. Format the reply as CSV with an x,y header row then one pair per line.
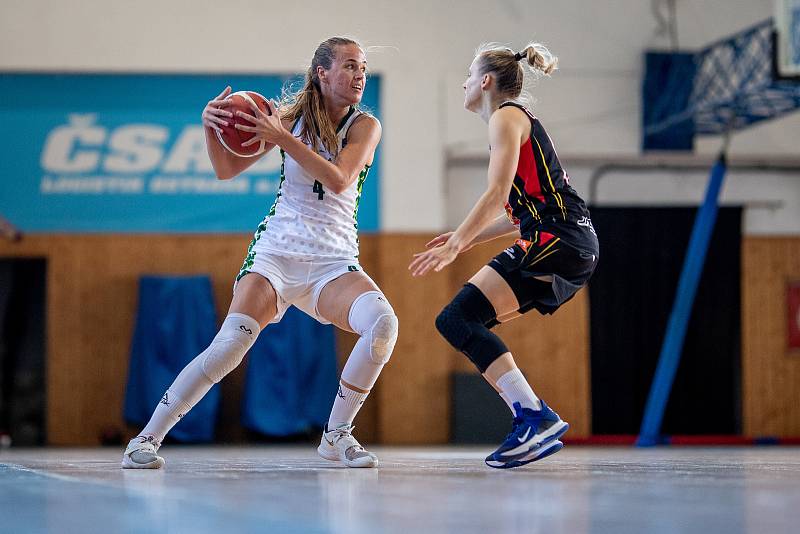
x,y
540,195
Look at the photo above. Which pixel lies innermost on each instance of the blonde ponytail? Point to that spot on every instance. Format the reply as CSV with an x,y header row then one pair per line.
x,y
540,58
508,70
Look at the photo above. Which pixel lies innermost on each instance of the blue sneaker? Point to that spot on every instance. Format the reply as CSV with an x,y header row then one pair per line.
x,y
537,454
532,430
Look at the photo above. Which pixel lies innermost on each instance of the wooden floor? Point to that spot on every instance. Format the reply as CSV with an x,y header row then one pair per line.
x,y
291,489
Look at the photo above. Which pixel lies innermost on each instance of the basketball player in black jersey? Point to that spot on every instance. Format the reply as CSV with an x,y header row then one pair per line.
x,y
554,255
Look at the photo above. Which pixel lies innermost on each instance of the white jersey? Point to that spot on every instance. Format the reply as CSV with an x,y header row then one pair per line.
x,y
306,219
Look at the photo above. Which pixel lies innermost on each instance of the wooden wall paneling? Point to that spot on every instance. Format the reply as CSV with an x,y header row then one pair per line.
x,y
770,373
414,389
92,300
62,296
108,282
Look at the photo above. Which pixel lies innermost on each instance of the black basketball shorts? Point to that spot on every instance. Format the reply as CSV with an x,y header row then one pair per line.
x,y
547,255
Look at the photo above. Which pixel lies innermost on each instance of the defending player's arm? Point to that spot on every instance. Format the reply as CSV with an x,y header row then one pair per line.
x,y
362,139
504,138
499,227
226,165
505,133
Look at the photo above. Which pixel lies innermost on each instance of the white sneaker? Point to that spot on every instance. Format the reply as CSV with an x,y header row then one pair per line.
x,y
141,454
339,445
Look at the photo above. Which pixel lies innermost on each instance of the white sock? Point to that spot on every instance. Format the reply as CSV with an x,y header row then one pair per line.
x,y
345,407
516,389
508,402
361,371
192,384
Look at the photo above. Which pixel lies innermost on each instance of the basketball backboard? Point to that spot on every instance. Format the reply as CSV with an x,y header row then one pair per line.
x,y
787,38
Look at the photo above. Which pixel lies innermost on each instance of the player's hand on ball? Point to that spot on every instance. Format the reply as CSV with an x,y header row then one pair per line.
x,y
266,126
214,114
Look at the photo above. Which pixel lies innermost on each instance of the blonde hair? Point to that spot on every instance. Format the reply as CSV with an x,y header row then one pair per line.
x,y
308,103
504,63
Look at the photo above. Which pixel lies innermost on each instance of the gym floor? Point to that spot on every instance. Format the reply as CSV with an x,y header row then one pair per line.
x,y
447,489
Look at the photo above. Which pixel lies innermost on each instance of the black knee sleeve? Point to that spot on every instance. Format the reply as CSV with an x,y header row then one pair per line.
x,y
463,323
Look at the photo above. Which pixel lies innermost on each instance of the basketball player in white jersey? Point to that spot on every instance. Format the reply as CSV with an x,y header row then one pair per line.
x,y
304,253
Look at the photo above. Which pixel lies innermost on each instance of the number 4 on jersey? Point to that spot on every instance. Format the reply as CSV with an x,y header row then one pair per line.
x,y
318,189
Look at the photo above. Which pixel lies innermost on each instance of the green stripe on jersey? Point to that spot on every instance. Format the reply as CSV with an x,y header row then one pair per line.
x,y
249,260
362,177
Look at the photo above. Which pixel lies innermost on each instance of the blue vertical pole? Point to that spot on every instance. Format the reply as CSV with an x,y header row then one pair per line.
x,y
670,356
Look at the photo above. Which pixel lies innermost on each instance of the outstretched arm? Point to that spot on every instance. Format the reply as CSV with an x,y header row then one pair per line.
x,y
499,227
505,133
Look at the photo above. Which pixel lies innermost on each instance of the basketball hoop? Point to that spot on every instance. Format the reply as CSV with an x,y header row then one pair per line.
x,y
723,88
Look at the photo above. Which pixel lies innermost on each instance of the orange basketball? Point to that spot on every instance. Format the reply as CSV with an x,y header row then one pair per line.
x,y
231,137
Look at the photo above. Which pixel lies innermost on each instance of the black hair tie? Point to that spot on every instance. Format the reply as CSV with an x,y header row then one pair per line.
x,y
519,55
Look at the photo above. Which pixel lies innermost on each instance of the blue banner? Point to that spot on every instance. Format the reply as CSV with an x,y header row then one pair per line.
x,y
126,153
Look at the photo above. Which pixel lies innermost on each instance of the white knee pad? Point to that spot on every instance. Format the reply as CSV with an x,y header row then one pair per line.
x,y
236,335
373,318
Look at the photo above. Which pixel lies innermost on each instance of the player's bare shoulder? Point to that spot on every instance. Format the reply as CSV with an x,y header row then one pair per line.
x,y
366,127
508,116
509,121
